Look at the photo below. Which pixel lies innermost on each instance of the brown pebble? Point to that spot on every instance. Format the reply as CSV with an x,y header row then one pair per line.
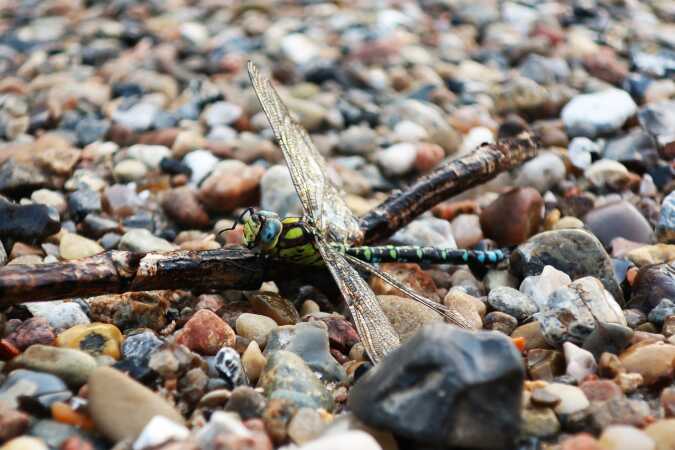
x,y
600,390
182,205
513,217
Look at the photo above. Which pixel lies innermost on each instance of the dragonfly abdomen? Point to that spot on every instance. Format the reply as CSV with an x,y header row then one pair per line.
x,y
417,254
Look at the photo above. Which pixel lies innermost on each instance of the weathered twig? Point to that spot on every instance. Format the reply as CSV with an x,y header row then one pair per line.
x,y
118,271
485,163
236,267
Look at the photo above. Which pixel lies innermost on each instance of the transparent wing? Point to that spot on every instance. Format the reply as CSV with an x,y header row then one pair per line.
x,y
452,316
320,199
377,334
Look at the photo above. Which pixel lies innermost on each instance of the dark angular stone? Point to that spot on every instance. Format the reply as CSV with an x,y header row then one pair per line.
x,y
27,223
575,252
446,386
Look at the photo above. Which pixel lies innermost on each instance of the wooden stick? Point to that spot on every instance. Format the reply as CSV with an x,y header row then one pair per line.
x,y
232,267
485,163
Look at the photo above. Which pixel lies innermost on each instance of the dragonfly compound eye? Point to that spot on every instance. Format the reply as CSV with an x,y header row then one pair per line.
x,y
269,233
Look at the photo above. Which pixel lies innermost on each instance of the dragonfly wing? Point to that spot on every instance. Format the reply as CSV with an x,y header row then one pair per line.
x,y
320,198
452,316
375,330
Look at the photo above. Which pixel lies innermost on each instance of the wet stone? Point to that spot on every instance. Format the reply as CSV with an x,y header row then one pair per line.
x,y
287,377
544,364
499,321
310,342
441,351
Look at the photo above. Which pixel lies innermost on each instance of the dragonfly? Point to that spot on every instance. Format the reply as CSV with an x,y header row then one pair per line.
x,y
328,230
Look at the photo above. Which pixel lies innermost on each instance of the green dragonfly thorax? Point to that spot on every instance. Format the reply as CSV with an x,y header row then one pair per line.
x,y
262,230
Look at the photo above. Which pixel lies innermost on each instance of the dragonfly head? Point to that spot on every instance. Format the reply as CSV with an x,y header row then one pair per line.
x,y
262,230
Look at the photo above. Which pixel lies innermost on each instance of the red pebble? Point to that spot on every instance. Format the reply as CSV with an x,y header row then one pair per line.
x,y
206,333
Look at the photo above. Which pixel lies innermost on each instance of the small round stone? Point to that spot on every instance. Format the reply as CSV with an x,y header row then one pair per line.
x,y
255,327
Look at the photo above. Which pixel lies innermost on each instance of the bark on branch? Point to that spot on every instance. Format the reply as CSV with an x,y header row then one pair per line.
x,y
485,163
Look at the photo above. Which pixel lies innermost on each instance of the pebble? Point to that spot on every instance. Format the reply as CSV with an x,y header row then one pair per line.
x,y
305,426
469,307
406,316
626,222
607,173
572,399
72,366
512,302
397,160
200,163
159,431
662,433
437,357
351,439
38,386
310,342
513,217
665,228
35,330
542,172
274,306
143,241
138,117
661,311
654,361
287,377
247,402
129,170
121,407
182,205
27,223
277,193
205,333
580,362
658,120
231,184
229,366
623,437
574,252
12,422
95,339
358,140
253,361
60,314
598,113
255,327
74,246
25,443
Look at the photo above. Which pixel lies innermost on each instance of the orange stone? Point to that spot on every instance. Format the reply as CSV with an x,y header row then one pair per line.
x,y
206,333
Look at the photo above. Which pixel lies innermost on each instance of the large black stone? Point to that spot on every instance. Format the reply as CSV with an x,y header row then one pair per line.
x,y
446,387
